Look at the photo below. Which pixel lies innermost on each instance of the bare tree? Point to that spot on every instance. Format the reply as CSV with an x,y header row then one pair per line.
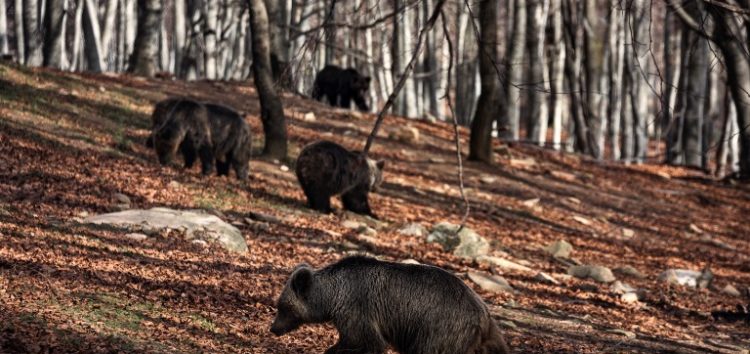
x,y
108,30
210,29
32,33
19,31
508,123
480,146
54,42
146,45
536,128
272,112
592,62
93,48
557,78
4,48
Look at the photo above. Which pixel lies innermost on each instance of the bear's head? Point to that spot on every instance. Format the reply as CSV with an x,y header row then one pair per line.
x,y
375,172
293,306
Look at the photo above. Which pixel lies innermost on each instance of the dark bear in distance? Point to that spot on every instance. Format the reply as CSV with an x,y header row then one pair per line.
x,y
341,86
230,134
232,140
185,127
325,169
417,309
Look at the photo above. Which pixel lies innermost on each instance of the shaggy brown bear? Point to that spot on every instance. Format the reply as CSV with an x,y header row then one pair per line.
x,y
341,86
185,127
230,135
416,309
325,169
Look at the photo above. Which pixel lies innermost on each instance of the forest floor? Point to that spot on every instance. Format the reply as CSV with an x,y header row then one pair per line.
x,y
70,142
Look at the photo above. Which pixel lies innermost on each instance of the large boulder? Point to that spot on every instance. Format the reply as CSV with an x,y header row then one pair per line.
x,y
196,224
465,243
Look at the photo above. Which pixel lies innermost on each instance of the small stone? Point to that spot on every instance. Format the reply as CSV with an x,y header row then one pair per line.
x,y
410,261
367,231
413,229
628,233
663,175
623,333
436,160
730,290
488,179
465,243
680,277
284,168
83,214
200,243
121,198
582,220
559,249
174,185
696,229
597,273
405,134
428,117
508,324
546,278
493,283
351,224
350,245
530,203
503,264
630,271
136,236
574,200
619,287
309,117
565,176
629,298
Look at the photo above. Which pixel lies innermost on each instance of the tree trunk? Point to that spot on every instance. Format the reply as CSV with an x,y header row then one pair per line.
x,y
557,77
617,65
508,123
211,14
430,66
178,42
108,31
20,40
330,33
4,48
410,89
697,76
536,128
192,60
32,33
76,55
146,46
573,73
272,112
480,145
738,79
92,47
592,61
277,17
54,42
639,88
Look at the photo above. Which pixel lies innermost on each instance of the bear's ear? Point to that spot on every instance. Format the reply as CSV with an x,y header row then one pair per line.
x,y
302,278
380,164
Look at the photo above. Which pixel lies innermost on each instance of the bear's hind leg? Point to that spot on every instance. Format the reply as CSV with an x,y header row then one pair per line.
x,y
356,201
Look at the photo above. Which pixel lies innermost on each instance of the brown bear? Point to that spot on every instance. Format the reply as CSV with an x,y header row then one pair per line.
x,y
230,135
325,169
416,309
341,86
185,127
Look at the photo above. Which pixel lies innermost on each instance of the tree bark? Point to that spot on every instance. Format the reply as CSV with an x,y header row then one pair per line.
x,y
277,17
480,145
592,61
536,128
19,31
272,112
178,42
211,14
639,85
557,77
508,123
92,48
146,46
430,66
54,42
76,54
573,73
32,33
108,31
4,47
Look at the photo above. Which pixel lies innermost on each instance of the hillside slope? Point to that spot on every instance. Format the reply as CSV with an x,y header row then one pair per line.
x,y
70,142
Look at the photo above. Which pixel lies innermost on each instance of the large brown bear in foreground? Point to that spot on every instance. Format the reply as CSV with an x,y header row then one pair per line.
x,y
325,169
416,309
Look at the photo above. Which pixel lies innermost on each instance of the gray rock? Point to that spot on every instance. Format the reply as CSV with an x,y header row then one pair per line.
x,y
630,271
488,179
530,203
121,198
493,283
623,333
582,220
559,249
628,233
195,223
730,290
465,244
136,236
687,277
406,134
620,288
351,224
503,264
200,243
367,231
629,298
413,229
597,273
121,207
546,278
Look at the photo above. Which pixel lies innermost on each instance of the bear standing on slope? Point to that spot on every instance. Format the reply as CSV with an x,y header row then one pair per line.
x,y
185,128
341,86
325,169
417,309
